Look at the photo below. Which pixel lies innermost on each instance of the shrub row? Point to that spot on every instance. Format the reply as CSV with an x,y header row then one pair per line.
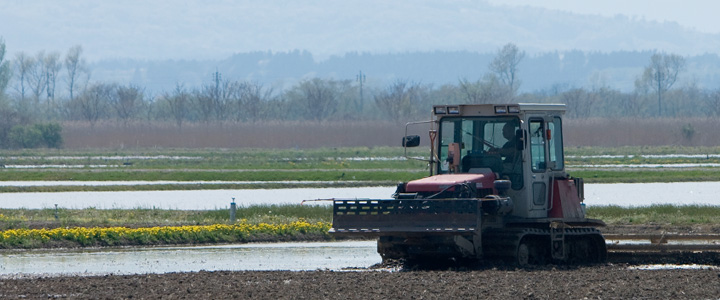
x,y
118,236
33,136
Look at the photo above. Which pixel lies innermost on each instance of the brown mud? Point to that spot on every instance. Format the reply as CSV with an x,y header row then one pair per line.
x,y
589,282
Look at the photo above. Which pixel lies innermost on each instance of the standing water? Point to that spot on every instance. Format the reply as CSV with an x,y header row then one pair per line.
x,y
245,257
621,194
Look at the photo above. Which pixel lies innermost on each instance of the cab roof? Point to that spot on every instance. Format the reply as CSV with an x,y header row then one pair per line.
x,y
496,109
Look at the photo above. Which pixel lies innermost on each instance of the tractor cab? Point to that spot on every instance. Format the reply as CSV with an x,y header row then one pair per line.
x,y
519,143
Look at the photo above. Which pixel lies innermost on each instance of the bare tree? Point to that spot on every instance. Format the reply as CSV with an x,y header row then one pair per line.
x,y
23,63
75,67
51,68
505,66
216,100
251,99
93,102
579,102
661,74
318,97
472,91
398,100
128,101
204,101
178,102
632,105
5,71
712,104
223,99
36,76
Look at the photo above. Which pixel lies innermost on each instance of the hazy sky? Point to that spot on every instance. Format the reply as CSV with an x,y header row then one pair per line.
x,y
699,14
215,29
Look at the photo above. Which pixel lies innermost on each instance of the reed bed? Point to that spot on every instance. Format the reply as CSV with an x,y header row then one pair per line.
x,y
305,135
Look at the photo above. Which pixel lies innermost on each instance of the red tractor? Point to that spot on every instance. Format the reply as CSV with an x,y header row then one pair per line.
x,y
497,189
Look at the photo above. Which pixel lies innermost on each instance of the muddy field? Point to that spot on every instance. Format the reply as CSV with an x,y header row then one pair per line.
x,y
590,282
621,278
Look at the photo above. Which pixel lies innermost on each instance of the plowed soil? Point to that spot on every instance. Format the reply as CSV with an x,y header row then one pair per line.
x,y
592,282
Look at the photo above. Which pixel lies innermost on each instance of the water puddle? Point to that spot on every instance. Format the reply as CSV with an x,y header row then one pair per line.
x,y
242,257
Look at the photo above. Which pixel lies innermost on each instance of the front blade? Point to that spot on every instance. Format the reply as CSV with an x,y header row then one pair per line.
x,y
378,217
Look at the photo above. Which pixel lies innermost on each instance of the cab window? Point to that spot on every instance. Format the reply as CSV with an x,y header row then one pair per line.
x,y
537,145
556,144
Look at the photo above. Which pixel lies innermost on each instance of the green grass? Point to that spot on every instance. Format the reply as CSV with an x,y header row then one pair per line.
x,y
337,165
640,150
656,214
252,159
112,175
644,176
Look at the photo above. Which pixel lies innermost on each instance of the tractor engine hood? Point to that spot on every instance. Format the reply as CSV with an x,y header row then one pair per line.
x,y
438,183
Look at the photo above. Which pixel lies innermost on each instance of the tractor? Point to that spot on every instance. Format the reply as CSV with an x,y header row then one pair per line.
x,y
497,189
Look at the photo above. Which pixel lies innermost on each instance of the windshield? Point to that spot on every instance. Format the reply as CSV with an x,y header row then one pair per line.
x,y
485,144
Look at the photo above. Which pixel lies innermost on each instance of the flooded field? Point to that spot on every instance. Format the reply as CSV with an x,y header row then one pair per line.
x,y
622,194
332,256
327,256
185,200
245,257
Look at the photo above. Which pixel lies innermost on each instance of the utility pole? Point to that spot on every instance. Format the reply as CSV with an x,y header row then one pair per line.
x,y
361,79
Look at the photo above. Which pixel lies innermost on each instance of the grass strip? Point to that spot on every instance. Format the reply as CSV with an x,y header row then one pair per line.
x,y
645,176
656,215
324,179
640,150
181,175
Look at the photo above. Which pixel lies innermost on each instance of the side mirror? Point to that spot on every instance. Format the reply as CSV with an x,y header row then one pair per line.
x,y
520,140
411,141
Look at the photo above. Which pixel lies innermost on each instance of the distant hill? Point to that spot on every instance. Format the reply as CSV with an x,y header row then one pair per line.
x,y
540,72
158,44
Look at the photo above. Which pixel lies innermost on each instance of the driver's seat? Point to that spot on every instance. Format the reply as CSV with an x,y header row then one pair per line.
x,y
482,160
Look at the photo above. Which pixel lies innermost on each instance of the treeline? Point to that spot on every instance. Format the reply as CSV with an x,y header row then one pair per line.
x,y
38,92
